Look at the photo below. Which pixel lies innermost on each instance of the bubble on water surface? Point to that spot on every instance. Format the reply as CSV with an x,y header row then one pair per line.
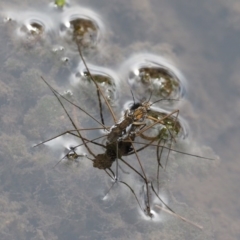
x,y
171,125
65,145
81,25
58,48
150,75
31,26
104,77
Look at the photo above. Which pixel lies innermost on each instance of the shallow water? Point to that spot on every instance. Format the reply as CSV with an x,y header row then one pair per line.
x,y
39,202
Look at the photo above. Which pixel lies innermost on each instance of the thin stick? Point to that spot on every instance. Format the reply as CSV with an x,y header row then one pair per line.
x,y
178,216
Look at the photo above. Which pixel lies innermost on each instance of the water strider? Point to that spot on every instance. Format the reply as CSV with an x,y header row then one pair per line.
x,y
123,135
106,157
121,138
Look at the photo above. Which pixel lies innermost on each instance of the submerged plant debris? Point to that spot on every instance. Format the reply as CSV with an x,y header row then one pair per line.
x,y
161,79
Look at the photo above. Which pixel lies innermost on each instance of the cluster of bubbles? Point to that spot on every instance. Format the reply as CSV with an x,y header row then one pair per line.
x,y
147,74
66,23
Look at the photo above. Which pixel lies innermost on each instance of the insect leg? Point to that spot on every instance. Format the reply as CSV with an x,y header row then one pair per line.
x,y
74,125
181,152
99,90
177,111
56,92
66,132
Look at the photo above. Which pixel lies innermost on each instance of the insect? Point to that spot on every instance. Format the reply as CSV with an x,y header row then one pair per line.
x,y
136,124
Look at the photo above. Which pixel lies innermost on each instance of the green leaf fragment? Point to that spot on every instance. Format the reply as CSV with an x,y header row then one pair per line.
x,y
60,3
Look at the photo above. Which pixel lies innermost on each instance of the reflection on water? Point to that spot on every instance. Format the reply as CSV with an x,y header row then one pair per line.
x,y
39,202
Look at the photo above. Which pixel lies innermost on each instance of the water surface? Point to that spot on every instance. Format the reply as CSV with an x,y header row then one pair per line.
x,y
39,202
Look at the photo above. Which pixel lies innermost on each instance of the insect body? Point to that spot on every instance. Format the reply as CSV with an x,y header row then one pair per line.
x,y
119,129
133,118
113,151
